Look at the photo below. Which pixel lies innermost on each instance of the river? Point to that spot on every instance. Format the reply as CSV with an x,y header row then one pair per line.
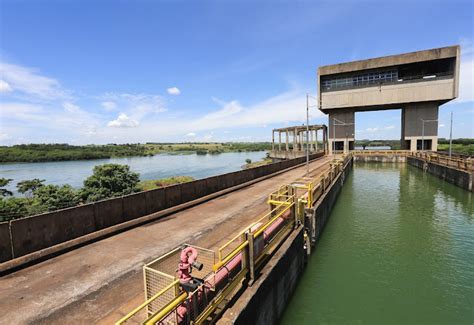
x,y
398,249
155,167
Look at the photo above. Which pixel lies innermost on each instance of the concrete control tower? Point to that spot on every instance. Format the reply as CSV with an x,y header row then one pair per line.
x,y
416,82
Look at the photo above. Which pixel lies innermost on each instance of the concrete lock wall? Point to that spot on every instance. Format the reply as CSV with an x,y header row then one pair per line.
x,y
38,232
454,176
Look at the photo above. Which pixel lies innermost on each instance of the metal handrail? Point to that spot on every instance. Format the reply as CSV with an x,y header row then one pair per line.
x,y
146,303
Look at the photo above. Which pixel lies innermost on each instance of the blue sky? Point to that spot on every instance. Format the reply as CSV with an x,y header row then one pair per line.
x,y
136,71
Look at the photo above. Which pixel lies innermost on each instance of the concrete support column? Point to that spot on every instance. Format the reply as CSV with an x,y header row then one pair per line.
x,y
420,122
286,138
341,129
295,145
311,142
273,140
316,142
279,140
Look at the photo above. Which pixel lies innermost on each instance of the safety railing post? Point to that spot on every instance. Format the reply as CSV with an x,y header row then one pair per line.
x,y
245,253
251,258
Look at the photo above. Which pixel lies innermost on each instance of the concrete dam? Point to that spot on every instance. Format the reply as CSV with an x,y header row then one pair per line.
x,y
245,247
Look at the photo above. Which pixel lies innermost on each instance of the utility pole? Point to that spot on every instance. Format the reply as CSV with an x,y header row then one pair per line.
x,y
451,135
307,134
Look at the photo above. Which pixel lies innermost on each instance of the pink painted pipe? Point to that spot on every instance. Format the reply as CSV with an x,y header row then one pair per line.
x,y
231,268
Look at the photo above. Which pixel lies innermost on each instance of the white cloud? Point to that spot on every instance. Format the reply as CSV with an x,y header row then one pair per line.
x,y
109,105
71,108
441,125
29,82
5,87
123,121
4,137
287,107
372,130
137,106
191,134
173,91
390,127
466,77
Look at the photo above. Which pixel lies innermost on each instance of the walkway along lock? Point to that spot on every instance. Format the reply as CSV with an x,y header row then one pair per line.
x,y
191,284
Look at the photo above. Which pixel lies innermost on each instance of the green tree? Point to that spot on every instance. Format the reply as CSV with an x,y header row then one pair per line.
x,y
3,191
108,181
53,197
12,208
27,187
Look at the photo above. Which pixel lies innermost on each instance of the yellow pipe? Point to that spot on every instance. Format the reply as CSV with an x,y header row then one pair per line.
x,y
165,311
136,310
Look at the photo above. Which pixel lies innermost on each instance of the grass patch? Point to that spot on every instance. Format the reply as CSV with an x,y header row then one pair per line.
x,y
157,183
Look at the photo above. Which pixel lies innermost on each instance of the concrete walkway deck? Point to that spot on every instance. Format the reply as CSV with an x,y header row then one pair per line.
x,y
102,281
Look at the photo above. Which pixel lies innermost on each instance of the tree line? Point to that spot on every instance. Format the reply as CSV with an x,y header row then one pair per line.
x,y
106,181
58,152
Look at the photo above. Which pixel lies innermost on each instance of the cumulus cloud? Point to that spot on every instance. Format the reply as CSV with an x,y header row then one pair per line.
x,y
123,121
287,107
109,106
191,134
28,81
5,87
173,91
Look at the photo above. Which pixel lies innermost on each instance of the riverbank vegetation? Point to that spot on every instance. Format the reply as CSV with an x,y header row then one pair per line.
x,y
153,184
61,152
107,181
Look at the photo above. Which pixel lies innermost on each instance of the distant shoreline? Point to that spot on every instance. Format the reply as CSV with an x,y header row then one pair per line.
x,y
30,153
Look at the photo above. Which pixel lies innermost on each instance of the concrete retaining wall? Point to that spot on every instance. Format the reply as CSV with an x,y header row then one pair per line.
x,y
458,177
265,301
5,243
38,232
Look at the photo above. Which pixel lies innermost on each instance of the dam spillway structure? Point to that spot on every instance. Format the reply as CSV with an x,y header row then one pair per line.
x,y
418,83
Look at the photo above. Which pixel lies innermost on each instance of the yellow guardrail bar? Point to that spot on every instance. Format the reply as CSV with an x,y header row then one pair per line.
x,y
165,311
264,227
230,256
146,303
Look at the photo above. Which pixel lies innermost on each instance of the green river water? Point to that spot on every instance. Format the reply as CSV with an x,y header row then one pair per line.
x,y
397,249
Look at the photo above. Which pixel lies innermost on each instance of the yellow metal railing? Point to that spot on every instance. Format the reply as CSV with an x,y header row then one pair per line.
x,y
144,305
278,211
380,152
285,203
465,164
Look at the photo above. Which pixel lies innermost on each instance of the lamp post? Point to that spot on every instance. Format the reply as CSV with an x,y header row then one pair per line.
x,y
307,131
423,132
